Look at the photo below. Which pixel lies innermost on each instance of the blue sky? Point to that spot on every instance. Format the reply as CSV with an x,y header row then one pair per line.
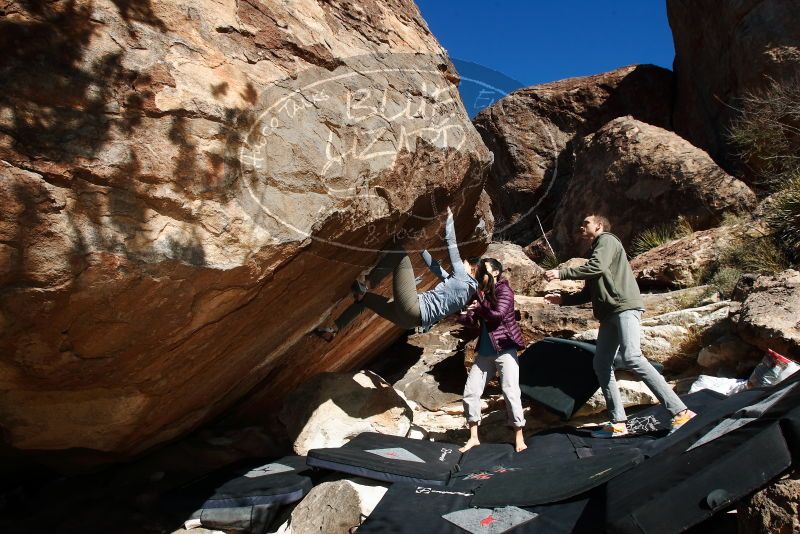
x,y
536,41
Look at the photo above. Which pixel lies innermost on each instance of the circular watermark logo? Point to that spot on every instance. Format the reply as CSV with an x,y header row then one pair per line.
x,y
364,153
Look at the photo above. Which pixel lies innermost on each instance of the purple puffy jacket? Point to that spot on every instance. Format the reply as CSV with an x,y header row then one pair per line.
x,y
501,321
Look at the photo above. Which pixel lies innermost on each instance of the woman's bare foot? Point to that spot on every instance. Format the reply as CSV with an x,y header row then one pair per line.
x,y
519,440
471,442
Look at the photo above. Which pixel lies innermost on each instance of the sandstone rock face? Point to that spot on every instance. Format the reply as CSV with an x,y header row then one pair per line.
x,y
337,506
674,338
531,132
524,276
722,51
731,353
639,176
769,317
186,193
632,392
427,368
566,286
540,319
683,262
773,510
691,297
332,408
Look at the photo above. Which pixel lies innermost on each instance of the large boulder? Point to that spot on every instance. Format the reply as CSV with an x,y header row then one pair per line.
x,y
675,338
540,319
336,506
769,317
640,176
685,261
524,276
729,353
723,50
188,190
427,368
531,132
332,408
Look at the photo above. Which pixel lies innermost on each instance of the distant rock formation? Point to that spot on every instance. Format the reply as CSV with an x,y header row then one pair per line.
x,y
532,133
722,51
639,175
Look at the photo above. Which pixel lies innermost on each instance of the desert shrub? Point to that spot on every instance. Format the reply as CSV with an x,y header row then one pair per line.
x,y
759,255
724,280
766,133
549,261
784,217
658,235
734,219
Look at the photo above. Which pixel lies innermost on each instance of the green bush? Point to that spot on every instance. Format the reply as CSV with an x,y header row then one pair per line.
x,y
758,255
767,132
724,280
784,217
658,235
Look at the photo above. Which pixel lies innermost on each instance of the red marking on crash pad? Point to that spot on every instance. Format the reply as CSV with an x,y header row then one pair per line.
x,y
488,520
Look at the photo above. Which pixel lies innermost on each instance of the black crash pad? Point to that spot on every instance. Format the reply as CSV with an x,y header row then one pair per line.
x,y
390,459
242,497
558,374
416,509
682,484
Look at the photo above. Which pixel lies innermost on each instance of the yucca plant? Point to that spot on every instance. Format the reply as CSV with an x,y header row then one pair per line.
x,y
549,261
658,235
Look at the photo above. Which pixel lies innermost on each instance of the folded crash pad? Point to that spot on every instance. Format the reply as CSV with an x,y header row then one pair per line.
x,y
733,448
413,509
390,459
558,374
553,481
242,497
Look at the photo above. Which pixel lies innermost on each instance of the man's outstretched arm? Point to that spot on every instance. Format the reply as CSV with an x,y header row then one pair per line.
x,y
602,254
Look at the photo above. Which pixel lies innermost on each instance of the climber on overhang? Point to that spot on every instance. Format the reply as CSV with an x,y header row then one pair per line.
x,y
409,309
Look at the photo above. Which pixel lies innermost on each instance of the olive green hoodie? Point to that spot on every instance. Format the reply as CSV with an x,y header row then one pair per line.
x,y
610,284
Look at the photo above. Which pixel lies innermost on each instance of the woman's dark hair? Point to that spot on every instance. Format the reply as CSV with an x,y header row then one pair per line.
x,y
486,281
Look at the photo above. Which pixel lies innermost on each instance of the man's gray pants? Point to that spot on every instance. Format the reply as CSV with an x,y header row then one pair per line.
x,y
619,337
482,370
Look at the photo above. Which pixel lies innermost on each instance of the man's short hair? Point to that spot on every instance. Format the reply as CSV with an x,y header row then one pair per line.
x,y
602,219
473,260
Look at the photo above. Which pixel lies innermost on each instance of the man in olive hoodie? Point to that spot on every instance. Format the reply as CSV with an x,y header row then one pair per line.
x,y
618,305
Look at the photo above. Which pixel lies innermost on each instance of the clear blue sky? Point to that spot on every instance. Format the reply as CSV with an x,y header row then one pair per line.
x,y
536,41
